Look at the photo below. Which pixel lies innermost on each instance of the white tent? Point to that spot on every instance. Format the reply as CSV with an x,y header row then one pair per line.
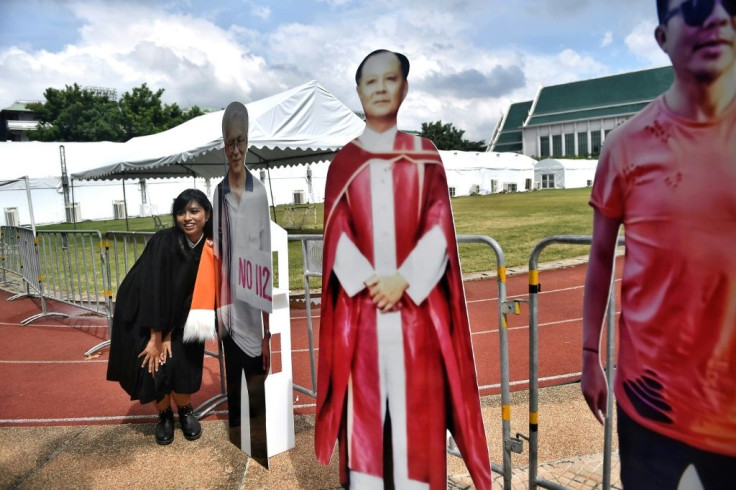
x,y
487,172
297,184
41,162
302,125
558,173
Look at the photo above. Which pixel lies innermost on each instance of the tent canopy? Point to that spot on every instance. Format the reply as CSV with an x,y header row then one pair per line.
x,y
40,160
465,160
302,125
567,164
487,172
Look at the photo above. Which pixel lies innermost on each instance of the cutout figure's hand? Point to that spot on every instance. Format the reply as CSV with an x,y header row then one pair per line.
x,y
386,291
593,384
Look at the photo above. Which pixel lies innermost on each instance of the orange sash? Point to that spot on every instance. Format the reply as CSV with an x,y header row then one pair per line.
x,y
200,325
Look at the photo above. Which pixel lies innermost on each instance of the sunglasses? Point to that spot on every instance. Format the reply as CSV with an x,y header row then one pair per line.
x,y
694,12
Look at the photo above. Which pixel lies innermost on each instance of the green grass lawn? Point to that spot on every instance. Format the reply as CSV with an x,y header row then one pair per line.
x,y
517,221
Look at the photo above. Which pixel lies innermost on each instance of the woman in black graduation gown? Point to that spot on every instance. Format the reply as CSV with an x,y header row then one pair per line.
x,y
147,354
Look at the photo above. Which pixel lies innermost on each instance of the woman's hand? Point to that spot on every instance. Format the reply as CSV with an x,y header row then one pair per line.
x,y
166,349
152,353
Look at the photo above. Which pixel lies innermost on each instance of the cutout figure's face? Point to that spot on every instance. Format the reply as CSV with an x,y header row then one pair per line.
x,y
191,220
236,144
382,88
703,51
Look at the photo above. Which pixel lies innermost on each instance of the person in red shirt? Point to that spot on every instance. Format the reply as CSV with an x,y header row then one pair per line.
x,y
669,176
396,365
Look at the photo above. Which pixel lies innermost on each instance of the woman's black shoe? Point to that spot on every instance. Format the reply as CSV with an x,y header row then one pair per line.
x,y
189,423
165,427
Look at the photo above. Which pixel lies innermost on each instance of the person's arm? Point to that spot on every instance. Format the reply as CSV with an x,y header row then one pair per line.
x,y
351,267
425,265
595,300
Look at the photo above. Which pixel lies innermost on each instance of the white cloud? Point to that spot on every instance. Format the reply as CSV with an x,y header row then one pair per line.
x,y
607,39
194,60
260,11
641,43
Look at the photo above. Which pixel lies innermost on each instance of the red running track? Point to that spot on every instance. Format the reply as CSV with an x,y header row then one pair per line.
x,y
45,379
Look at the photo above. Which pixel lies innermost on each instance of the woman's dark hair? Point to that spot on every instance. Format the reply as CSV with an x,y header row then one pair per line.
x,y
189,195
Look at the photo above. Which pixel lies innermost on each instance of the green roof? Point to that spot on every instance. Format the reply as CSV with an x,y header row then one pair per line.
x,y
513,146
608,96
20,106
518,113
592,113
509,138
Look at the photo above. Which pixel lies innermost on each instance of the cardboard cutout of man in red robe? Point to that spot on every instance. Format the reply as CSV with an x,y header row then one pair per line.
x,y
396,365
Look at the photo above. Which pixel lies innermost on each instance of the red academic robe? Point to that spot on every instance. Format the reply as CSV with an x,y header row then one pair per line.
x,y
439,395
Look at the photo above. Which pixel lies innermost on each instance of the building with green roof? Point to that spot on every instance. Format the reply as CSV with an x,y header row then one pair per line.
x,y
573,119
508,135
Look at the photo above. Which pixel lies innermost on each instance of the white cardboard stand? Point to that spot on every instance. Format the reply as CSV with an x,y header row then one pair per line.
x,y
279,400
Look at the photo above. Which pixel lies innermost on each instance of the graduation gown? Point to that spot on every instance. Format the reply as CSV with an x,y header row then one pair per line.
x,y
438,326
156,294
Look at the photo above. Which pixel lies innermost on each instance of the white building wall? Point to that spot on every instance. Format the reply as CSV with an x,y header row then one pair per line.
x,y
531,135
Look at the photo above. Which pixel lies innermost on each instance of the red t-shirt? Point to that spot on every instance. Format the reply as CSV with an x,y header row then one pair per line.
x,y
672,181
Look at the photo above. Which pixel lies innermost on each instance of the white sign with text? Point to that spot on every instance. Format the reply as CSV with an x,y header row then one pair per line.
x,y
253,270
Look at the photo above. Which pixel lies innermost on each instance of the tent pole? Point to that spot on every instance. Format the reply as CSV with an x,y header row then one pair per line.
x,y
125,205
74,204
30,204
270,186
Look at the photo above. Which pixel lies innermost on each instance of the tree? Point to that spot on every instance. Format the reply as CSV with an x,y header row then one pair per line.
x,y
78,114
143,113
448,137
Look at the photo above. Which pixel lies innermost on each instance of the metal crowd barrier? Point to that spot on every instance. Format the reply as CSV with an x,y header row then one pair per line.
x,y
311,246
125,248
22,247
312,267
534,290
76,267
9,252
74,264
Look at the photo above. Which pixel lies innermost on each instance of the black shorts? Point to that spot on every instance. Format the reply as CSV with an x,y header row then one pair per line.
x,y
652,461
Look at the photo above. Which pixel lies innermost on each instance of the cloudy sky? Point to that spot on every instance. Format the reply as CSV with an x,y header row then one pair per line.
x,y
470,58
